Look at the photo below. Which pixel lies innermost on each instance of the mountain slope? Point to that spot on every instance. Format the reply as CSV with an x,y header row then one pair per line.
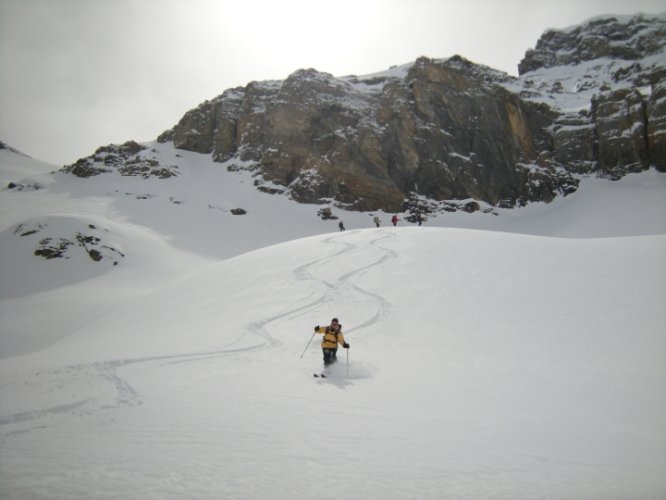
x,y
482,364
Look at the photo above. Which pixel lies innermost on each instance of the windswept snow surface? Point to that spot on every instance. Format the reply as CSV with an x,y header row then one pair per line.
x,y
521,361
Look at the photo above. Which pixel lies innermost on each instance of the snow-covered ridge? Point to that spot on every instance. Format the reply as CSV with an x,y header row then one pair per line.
x,y
603,54
637,49
608,36
567,82
9,148
620,18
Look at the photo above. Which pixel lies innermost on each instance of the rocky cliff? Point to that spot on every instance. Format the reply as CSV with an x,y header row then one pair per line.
x,y
437,127
590,99
607,80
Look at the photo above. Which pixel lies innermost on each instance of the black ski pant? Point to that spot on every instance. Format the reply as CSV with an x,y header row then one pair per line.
x,y
330,356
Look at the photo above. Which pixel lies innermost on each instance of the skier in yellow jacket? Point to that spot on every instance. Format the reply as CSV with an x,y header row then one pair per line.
x,y
332,337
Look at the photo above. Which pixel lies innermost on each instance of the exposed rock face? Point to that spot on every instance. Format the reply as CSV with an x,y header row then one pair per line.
x,y
611,139
656,125
440,128
475,140
621,124
621,65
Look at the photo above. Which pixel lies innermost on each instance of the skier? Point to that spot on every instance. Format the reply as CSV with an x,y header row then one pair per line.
x,y
377,221
395,220
341,226
419,218
332,337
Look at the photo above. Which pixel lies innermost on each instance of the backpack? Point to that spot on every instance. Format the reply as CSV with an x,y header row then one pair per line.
x,y
328,330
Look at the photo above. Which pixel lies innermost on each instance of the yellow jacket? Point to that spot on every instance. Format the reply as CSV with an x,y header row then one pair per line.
x,y
330,340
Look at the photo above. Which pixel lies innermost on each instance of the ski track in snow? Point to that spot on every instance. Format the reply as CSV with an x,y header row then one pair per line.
x,y
344,285
33,414
383,305
301,274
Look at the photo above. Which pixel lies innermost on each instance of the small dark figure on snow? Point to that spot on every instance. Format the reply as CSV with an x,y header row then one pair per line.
x,y
377,221
395,220
329,344
341,226
419,218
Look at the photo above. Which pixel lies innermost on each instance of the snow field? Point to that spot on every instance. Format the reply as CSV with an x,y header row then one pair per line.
x,y
482,365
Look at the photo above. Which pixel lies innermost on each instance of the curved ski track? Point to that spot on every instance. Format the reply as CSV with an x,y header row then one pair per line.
x,y
344,285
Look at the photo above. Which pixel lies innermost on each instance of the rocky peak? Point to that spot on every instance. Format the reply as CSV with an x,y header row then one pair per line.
x,y
312,85
623,38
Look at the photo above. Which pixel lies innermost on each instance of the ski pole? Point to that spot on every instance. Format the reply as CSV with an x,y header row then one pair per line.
x,y
306,347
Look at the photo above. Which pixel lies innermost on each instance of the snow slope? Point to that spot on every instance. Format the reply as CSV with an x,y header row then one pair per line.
x,y
167,229
521,361
482,365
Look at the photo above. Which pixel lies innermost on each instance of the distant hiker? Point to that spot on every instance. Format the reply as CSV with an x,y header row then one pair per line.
x,y
419,218
395,220
377,221
332,337
341,226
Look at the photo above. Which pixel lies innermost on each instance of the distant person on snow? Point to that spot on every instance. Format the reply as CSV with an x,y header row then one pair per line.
x,y
377,221
419,218
341,226
329,344
395,220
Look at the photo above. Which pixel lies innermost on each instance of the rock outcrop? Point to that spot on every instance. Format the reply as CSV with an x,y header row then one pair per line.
x,y
87,239
441,129
128,159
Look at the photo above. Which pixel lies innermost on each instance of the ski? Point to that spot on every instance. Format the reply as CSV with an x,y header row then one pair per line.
x,y
319,375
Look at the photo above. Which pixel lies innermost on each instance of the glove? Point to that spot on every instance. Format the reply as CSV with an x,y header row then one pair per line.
x,y
345,345
316,328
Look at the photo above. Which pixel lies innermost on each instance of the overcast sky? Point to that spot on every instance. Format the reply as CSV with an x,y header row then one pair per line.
x,y
79,74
